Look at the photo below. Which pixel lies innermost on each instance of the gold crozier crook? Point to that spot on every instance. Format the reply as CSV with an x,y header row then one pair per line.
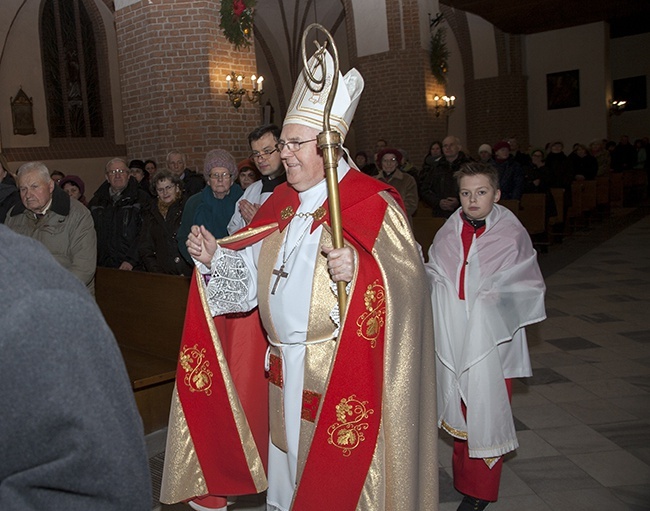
x,y
329,141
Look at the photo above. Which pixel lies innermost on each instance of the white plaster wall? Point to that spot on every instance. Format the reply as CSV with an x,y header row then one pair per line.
x,y
371,26
583,48
21,65
629,57
484,47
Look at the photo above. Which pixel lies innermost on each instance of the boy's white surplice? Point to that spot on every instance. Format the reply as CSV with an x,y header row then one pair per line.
x,y
480,341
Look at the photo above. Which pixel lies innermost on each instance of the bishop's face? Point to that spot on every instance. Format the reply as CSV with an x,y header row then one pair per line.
x,y
305,166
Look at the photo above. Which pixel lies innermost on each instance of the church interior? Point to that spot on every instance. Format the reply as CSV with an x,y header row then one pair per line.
x,y
84,81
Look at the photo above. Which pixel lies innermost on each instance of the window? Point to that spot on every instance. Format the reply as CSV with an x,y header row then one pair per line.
x,y
70,70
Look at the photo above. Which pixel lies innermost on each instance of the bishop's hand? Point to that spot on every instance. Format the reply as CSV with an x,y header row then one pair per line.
x,y
340,263
201,244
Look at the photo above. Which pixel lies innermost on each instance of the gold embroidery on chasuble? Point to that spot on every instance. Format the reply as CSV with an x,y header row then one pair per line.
x,y
310,404
287,212
198,377
371,322
347,432
268,256
275,371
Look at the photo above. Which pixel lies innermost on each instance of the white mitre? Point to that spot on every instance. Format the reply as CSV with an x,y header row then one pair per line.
x,y
307,105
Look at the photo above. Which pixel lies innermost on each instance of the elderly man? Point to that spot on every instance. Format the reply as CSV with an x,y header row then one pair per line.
x,y
192,182
439,189
48,215
267,160
117,211
352,397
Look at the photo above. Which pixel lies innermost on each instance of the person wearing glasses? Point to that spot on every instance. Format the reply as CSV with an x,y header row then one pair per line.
x,y
117,208
158,247
388,161
267,160
214,206
352,408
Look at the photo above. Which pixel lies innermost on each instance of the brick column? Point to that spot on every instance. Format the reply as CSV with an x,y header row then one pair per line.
x,y
173,63
394,103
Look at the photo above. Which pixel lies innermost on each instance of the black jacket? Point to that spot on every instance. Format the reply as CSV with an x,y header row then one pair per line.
x,y
158,246
438,183
118,224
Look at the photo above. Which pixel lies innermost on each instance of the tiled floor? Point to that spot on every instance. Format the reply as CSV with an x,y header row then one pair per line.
x,y
583,419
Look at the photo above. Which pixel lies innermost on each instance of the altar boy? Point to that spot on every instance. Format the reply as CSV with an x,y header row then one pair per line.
x,y
486,287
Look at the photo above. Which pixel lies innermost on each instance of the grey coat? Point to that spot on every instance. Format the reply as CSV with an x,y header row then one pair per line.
x,y
71,438
66,230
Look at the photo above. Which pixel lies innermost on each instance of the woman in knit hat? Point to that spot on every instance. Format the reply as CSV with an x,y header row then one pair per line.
x,y
215,204
74,187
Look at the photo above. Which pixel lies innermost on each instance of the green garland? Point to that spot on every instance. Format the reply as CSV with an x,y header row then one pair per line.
x,y
237,21
439,55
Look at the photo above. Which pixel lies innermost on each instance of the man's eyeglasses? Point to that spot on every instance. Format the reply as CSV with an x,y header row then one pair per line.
x,y
221,176
292,145
114,172
263,155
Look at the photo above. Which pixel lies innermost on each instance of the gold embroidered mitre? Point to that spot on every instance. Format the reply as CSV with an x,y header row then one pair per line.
x,y
307,105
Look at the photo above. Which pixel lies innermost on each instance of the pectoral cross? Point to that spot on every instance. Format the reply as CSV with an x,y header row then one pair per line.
x,y
280,273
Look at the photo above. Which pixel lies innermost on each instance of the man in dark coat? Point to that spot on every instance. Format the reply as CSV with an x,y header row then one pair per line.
x,y
70,436
439,189
192,182
117,211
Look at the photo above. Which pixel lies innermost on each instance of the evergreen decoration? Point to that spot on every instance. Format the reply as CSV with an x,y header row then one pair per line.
x,y
237,21
439,55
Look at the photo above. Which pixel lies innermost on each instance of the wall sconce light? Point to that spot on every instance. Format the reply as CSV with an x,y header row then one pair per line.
x,y
616,107
236,90
444,104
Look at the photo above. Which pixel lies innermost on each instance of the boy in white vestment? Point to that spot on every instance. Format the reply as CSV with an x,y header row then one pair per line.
x,y
486,286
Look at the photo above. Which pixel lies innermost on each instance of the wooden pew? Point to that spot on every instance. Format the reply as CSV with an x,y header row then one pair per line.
x,y
511,204
532,212
425,229
556,228
616,189
146,312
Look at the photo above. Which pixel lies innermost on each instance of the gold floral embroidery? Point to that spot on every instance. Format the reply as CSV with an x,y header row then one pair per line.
x,y
198,377
347,432
287,213
371,321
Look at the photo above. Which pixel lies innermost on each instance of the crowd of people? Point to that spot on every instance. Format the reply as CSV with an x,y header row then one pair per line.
x,y
352,383
536,170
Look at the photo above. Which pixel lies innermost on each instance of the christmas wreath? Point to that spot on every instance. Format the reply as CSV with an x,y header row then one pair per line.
x,y
439,55
237,21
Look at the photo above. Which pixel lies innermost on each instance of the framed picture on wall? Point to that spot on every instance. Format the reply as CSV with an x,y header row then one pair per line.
x,y
632,90
563,89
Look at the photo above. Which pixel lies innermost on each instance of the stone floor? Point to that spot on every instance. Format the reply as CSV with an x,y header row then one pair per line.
x,y
583,419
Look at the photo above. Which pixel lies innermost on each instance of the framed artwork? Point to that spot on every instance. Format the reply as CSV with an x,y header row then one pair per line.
x,y
633,90
563,89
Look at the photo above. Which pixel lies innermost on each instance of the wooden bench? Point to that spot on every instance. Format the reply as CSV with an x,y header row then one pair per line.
x,y
532,212
425,229
146,312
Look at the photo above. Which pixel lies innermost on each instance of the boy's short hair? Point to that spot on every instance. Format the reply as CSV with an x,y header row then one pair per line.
x,y
478,168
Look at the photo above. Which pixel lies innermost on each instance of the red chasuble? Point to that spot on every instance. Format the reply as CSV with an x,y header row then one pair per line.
x,y
349,415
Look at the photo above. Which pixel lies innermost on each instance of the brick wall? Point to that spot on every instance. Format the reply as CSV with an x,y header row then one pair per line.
x,y
394,105
173,63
